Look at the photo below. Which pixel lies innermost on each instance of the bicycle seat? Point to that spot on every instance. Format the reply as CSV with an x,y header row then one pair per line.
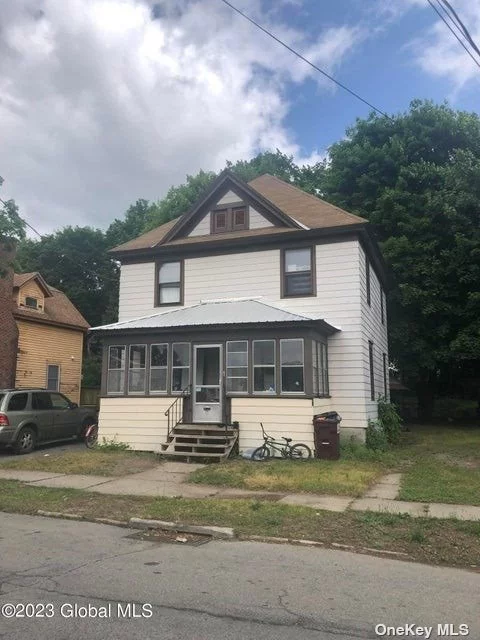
x,y
287,439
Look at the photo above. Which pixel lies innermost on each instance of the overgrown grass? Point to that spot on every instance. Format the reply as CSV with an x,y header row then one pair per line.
x,y
423,539
441,464
349,477
100,462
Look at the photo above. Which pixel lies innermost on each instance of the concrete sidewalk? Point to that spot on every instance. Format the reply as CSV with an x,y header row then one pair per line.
x,y
169,480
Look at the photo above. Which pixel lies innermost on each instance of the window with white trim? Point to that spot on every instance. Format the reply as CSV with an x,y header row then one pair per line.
x,y
237,366
264,366
158,368
116,369
291,365
137,368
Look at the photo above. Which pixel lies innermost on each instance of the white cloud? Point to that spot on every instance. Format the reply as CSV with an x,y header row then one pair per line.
x,y
100,104
438,52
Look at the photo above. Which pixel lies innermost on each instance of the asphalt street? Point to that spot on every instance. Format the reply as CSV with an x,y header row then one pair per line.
x,y
216,591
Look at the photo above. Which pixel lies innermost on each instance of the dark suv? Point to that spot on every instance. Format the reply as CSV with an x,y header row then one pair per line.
x,y
32,416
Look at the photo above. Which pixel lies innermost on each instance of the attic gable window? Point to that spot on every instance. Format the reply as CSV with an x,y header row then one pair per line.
x,y
234,218
31,303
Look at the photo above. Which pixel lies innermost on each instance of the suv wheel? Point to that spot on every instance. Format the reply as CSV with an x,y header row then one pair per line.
x,y
25,442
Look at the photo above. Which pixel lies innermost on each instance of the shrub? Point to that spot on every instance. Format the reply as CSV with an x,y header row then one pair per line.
x,y
375,437
389,419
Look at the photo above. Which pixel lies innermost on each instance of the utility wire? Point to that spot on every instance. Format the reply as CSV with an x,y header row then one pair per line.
x,y
299,55
26,223
454,33
456,18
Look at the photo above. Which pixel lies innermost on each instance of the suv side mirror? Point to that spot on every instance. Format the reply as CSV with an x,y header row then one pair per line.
x,y
73,405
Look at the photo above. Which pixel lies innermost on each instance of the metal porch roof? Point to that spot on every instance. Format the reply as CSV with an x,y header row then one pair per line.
x,y
221,312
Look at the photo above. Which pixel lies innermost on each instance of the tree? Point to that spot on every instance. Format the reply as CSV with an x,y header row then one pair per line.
x,y
12,227
75,260
132,225
416,178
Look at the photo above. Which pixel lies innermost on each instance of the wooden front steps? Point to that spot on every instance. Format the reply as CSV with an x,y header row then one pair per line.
x,y
200,441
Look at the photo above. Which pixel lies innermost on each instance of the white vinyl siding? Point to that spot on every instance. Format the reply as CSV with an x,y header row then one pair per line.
x,y
339,301
375,331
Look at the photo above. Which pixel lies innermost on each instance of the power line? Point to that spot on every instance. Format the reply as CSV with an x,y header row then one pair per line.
x,y
460,24
454,33
25,222
299,55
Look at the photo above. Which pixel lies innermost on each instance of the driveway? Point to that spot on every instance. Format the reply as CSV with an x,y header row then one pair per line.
x,y
47,449
215,591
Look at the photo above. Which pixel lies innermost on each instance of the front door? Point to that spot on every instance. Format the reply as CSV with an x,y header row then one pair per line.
x,y
207,383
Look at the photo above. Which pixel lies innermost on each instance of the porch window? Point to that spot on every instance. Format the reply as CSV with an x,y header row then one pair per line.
x,y
264,366
158,367
136,368
291,364
237,367
180,366
169,283
320,369
297,272
116,370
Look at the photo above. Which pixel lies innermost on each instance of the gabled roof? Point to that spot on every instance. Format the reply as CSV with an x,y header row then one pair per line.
x,y
58,309
292,208
19,279
216,313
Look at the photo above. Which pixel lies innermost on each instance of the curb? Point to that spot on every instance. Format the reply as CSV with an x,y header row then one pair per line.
x,y
215,532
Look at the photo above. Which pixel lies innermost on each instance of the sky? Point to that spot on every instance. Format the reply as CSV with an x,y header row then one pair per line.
x,y
103,102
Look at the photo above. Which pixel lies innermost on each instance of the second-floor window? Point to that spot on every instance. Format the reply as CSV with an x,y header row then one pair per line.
x,y
170,285
298,272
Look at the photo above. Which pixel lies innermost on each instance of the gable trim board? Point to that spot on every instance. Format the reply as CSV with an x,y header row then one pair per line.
x,y
228,181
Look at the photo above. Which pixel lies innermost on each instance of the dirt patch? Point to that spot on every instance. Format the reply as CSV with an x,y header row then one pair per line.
x,y
464,463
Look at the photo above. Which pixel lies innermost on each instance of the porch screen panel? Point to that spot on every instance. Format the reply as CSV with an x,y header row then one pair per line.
x,y
237,366
324,389
116,370
315,368
264,366
136,368
158,367
291,363
180,366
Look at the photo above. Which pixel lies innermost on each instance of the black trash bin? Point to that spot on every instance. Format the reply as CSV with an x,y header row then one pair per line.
x,y
326,433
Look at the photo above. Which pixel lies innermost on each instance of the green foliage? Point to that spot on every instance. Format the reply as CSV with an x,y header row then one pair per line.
x,y
132,225
75,260
12,227
416,178
375,436
91,370
390,420
112,445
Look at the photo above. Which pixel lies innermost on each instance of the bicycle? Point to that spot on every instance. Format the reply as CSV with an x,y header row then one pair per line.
x,y
91,435
298,451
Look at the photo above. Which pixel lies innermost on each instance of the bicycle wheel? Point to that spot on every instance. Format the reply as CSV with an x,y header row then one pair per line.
x,y
262,453
300,452
91,437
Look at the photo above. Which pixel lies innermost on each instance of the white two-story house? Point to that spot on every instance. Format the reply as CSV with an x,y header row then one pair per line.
x,y
261,304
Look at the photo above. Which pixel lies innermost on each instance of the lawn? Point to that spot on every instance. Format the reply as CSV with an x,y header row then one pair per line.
x,y
441,464
423,539
343,477
95,461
